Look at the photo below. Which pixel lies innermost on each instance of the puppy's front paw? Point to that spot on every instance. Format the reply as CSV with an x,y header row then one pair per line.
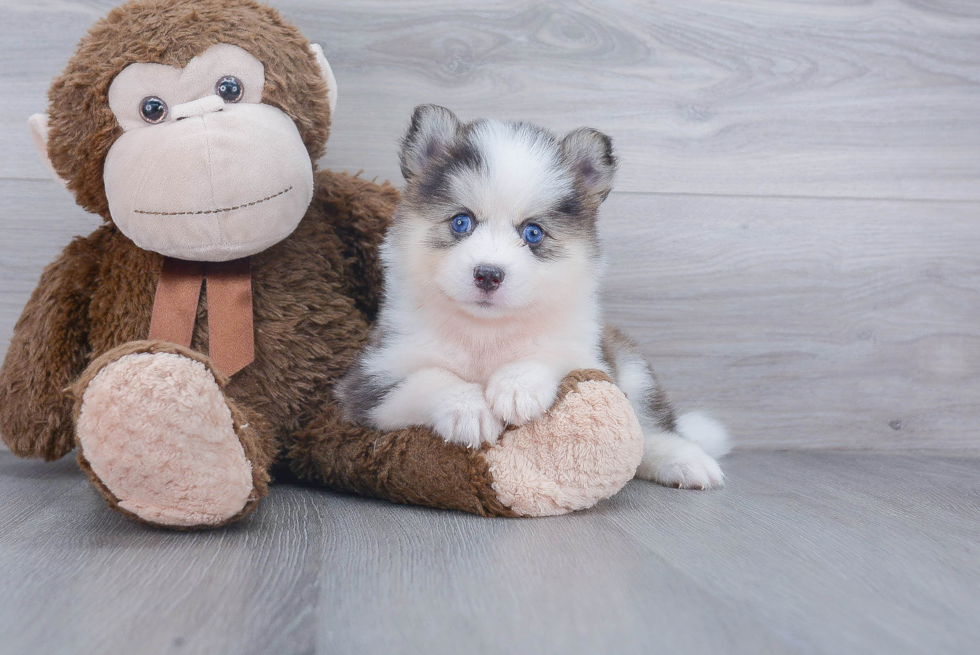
x,y
521,392
464,417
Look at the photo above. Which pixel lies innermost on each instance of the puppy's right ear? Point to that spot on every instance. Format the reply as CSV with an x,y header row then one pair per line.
x,y
432,132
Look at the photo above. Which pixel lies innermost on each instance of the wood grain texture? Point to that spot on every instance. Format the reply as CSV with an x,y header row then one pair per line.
x,y
806,323
801,553
820,98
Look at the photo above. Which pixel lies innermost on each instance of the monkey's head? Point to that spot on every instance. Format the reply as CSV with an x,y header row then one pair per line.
x,y
193,125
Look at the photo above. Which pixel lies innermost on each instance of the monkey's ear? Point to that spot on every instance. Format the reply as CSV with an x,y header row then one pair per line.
x,y
589,153
327,74
432,132
38,124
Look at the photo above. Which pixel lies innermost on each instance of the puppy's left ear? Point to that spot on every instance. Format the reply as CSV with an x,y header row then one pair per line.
x,y
589,154
327,73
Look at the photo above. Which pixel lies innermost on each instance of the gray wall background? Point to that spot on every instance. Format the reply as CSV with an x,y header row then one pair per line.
x,y
795,235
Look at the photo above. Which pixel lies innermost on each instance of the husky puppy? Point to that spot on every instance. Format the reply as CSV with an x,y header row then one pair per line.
x,y
492,271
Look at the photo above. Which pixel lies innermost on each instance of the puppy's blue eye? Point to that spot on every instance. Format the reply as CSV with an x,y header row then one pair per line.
x,y
461,223
532,233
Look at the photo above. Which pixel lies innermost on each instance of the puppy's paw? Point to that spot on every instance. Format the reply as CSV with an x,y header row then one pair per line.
x,y
675,462
700,472
464,417
521,392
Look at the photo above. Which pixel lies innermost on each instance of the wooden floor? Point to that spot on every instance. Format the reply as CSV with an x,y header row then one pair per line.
x,y
801,553
794,240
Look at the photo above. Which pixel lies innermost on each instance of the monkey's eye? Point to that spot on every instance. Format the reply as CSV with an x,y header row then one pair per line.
x,y
153,110
230,88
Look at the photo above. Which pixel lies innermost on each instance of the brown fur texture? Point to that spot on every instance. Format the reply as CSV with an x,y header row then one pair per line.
x,y
315,294
172,32
412,466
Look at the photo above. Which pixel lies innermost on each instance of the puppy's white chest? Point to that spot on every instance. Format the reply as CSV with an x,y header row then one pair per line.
x,y
483,363
478,363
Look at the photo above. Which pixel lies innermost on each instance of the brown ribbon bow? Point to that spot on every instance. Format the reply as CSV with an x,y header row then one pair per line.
x,y
231,335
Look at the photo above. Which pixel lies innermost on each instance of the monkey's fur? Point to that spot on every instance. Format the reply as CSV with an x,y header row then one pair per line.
x,y
315,293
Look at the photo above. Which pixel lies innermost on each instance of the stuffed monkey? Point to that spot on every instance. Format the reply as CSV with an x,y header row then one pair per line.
x,y
191,342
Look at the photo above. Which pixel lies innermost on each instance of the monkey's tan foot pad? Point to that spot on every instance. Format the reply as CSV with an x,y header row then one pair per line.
x,y
583,450
158,438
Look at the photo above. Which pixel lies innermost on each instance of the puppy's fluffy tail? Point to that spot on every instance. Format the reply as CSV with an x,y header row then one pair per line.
x,y
706,432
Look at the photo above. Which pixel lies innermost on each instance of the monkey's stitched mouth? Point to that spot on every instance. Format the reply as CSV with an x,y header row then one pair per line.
x,y
216,211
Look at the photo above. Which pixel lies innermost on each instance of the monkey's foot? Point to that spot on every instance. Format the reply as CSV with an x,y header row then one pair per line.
x,y
160,440
583,450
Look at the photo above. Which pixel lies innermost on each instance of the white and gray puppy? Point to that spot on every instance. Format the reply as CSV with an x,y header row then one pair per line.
x,y
492,271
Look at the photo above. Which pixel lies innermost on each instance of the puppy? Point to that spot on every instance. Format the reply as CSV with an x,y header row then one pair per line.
x,y
492,271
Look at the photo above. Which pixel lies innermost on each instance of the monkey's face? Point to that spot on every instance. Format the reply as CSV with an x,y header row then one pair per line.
x,y
204,170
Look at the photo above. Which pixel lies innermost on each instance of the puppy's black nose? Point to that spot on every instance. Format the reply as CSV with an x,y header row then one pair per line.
x,y
488,278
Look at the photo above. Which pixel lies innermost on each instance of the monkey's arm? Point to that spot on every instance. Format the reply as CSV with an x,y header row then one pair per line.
x,y
413,466
47,352
359,212
583,450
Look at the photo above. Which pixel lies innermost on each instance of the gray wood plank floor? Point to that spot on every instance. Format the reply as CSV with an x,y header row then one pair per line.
x,y
801,553
806,323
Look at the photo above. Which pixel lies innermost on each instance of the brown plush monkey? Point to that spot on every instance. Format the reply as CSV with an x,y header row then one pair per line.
x,y
191,342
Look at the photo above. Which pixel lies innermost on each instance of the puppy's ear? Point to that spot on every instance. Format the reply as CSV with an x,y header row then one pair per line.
x,y
432,132
589,154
